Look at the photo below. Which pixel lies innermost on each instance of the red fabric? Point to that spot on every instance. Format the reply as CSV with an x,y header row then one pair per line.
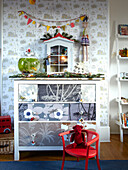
x,y
78,137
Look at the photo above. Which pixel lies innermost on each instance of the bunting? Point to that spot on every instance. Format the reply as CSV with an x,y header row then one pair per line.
x,y
29,21
37,21
32,2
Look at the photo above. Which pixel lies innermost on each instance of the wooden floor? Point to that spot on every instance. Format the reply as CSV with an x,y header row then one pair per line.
x,y
108,151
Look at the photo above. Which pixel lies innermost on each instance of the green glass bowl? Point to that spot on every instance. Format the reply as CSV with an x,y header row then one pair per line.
x,y
29,65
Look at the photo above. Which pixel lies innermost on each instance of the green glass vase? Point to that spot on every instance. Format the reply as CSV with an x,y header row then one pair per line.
x,y
29,65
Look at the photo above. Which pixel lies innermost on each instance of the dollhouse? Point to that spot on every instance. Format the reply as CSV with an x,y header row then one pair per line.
x,y
60,54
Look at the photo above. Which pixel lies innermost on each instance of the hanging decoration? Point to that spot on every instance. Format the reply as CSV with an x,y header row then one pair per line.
x,y
85,38
32,2
29,21
38,21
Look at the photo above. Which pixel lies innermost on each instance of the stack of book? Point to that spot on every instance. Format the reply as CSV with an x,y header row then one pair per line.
x,y
124,118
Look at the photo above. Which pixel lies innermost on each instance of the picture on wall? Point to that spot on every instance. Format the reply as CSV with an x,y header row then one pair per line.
x,y
123,29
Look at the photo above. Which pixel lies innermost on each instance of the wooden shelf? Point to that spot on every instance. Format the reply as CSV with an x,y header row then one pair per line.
x,y
118,123
122,58
121,61
121,102
123,79
122,36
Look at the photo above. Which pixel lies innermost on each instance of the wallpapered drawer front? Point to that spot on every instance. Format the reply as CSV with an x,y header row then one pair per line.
x,y
68,111
46,134
57,92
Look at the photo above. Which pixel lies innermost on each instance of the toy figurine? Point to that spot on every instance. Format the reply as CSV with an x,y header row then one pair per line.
x,y
85,39
85,42
78,137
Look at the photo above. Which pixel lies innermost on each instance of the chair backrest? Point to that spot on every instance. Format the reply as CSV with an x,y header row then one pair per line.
x,y
89,133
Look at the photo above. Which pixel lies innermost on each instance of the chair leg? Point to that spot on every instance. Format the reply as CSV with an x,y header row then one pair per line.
x,y
98,163
62,167
86,163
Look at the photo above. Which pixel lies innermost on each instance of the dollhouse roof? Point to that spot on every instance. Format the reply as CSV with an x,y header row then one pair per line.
x,y
59,36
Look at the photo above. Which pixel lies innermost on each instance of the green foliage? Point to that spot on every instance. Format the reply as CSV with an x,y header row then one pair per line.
x,y
59,75
56,32
64,34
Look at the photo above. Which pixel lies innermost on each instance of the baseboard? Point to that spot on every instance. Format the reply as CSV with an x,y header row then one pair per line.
x,y
104,134
118,133
114,133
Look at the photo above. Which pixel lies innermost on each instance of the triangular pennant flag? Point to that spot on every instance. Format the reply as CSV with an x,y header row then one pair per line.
x,y
32,2
34,22
77,20
58,26
67,24
72,25
53,27
48,27
21,13
29,21
38,25
85,19
82,18
25,17
63,27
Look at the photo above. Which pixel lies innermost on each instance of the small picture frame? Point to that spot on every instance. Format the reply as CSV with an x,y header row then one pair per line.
x,y
123,29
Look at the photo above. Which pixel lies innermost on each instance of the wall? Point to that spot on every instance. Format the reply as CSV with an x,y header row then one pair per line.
x,y
0,21
119,14
18,37
0,51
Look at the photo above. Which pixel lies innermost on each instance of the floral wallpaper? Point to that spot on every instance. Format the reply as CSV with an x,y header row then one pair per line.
x,y
18,36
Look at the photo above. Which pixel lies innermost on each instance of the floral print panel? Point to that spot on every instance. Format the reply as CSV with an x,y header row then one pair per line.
x,y
57,111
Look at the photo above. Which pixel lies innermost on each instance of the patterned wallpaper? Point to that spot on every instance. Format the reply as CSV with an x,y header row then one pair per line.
x,y
18,36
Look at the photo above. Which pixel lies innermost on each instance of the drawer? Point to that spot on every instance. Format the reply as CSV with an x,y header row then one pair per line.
x,y
39,134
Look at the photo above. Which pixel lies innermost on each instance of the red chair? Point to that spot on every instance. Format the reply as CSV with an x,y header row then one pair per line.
x,y
88,152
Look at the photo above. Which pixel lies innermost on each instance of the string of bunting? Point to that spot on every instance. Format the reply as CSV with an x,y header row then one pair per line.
x,y
37,21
